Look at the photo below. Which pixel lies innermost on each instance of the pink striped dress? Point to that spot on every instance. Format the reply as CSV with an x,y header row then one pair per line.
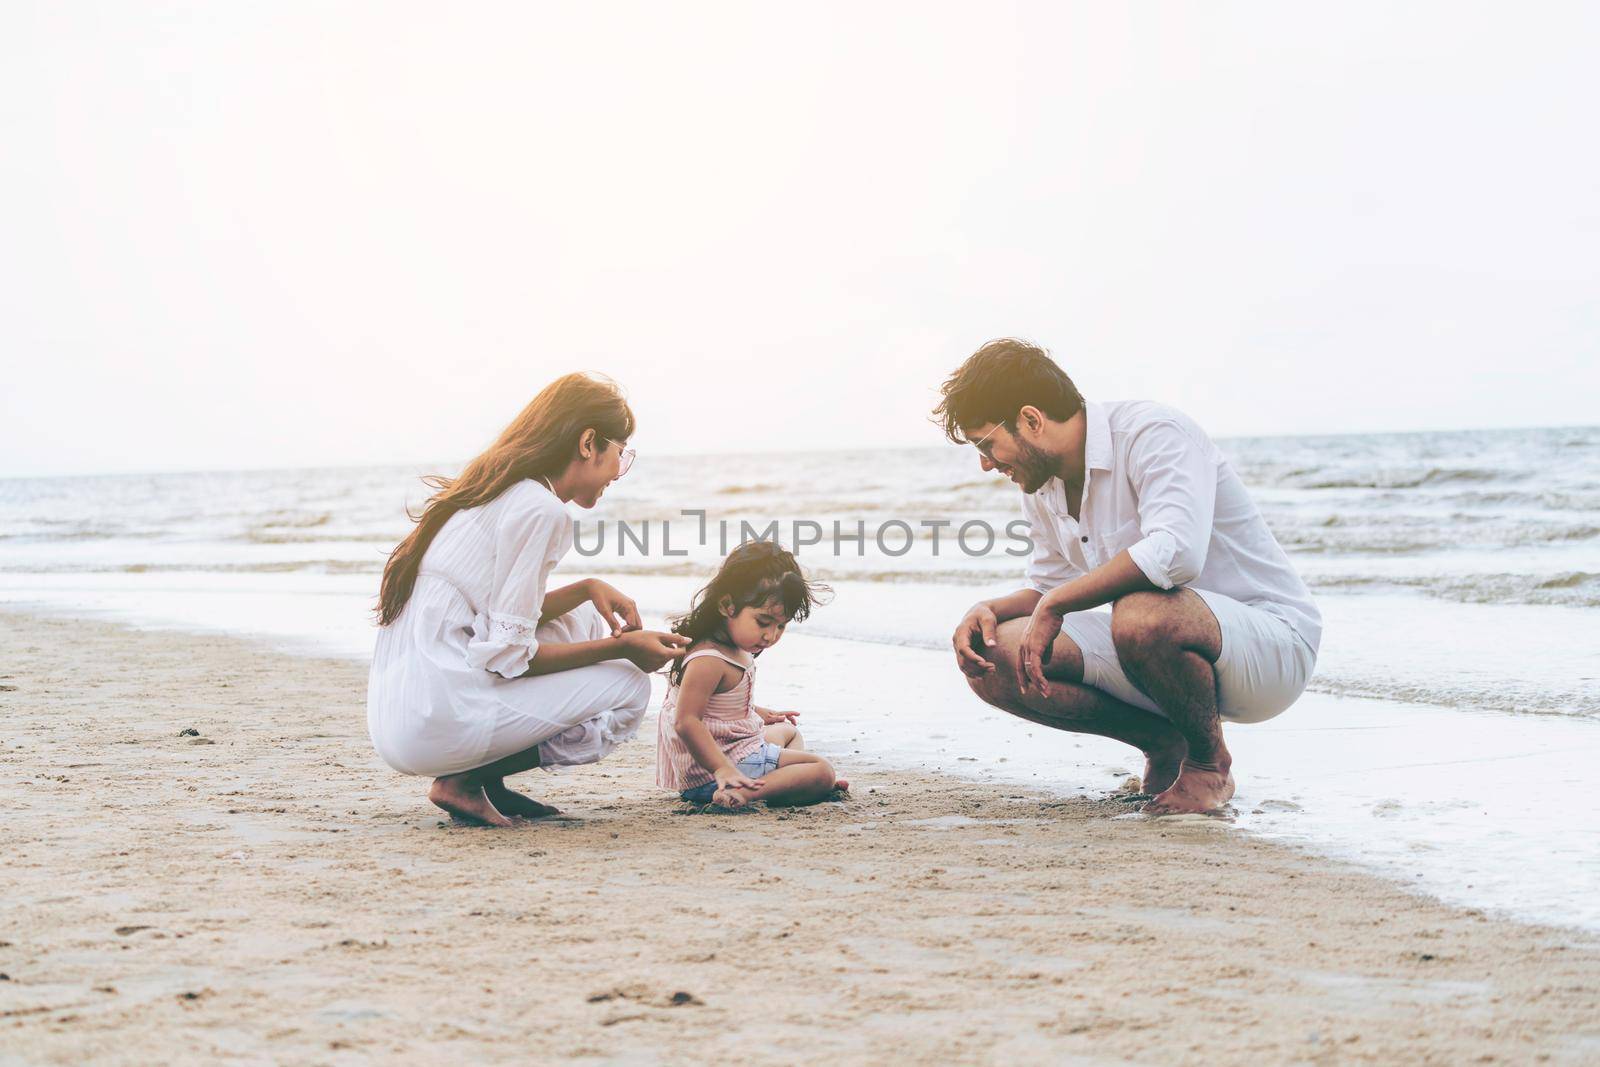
x,y
731,717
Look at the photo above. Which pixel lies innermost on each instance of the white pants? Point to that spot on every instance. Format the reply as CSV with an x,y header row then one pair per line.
x,y
1264,666
430,714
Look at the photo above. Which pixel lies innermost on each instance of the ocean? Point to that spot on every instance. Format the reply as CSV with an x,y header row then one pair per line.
x,y
1446,738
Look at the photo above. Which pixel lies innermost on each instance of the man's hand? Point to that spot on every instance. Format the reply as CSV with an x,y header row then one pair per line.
x,y
1037,642
649,650
620,612
979,622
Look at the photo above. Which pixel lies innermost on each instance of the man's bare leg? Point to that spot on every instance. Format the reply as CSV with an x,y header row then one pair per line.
x,y
1070,705
1168,644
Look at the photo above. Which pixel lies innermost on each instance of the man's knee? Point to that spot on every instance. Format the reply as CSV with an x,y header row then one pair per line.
x,y
997,687
1144,624
1154,624
1000,686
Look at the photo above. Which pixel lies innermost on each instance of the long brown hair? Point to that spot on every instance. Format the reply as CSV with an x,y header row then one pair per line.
x,y
539,443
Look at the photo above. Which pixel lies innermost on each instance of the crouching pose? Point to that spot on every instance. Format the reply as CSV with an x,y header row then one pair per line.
x,y
1131,505
481,671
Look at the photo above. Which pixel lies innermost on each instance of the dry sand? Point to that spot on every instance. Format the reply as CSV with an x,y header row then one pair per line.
x,y
268,891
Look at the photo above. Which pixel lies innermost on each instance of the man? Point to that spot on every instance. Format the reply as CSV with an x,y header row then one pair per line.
x,y
1131,505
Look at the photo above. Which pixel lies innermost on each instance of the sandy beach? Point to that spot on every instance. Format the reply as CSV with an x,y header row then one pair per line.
x,y
265,890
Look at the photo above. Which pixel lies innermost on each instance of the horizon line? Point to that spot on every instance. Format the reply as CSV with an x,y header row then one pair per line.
x,y
373,465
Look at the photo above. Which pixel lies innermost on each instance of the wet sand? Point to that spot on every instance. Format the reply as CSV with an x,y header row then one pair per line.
x,y
266,890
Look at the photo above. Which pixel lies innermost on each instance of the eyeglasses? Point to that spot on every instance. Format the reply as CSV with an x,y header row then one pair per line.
x,y
978,444
624,461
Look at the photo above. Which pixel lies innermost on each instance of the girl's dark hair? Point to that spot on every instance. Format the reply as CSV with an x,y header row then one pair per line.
x,y
753,574
539,443
999,380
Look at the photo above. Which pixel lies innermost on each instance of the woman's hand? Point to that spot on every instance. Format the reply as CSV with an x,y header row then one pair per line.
x,y
772,718
650,650
613,606
1037,641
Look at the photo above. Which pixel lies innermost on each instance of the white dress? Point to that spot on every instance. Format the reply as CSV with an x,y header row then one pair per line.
x,y
446,693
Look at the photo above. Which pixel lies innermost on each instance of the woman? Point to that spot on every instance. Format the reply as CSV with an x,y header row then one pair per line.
x,y
481,672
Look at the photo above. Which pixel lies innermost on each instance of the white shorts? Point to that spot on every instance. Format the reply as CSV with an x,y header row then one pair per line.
x,y
1264,666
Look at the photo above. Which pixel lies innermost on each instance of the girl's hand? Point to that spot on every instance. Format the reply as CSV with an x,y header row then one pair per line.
x,y
1037,641
649,650
729,779
771,718
612,606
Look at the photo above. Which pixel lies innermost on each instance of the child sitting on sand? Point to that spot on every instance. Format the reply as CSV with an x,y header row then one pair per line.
x,y
714,744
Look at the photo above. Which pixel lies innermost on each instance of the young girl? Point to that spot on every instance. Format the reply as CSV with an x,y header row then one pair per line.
x,y
714,743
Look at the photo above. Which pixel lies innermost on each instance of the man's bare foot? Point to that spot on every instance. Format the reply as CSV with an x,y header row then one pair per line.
x,y
1161,769
1200,788
517,805
466,801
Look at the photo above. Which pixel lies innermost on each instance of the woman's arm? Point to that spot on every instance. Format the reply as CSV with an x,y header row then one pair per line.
x,y
645,649
619,612
557,602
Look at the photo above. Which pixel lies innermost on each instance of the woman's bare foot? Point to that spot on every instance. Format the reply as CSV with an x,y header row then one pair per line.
x,y
517,805
466,800
1200,788
1161,769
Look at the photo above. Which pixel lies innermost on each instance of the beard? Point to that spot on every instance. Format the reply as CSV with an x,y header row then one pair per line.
x,y
1034,467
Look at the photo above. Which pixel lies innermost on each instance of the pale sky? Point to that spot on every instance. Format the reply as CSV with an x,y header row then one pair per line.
x,y
258,235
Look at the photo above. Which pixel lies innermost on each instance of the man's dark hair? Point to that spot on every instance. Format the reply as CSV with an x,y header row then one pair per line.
x,y
999,380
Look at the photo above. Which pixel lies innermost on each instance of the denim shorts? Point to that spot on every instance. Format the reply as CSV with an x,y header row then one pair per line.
x,y
760,763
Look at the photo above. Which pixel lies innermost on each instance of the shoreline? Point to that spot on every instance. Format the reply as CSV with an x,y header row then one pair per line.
x,y
1452,802
270,890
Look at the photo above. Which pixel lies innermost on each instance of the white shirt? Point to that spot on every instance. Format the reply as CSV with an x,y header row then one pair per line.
x,y
1156,485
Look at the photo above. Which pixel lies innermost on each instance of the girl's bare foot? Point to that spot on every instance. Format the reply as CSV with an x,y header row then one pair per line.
x,y
1200,788
466,800
732,797
518,805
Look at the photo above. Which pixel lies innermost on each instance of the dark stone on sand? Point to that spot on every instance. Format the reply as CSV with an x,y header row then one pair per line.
x,y
188,731
124,931
681,997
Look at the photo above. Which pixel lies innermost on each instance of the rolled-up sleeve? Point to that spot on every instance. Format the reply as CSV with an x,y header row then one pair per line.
x,y
1048,566
526,549
1175,478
